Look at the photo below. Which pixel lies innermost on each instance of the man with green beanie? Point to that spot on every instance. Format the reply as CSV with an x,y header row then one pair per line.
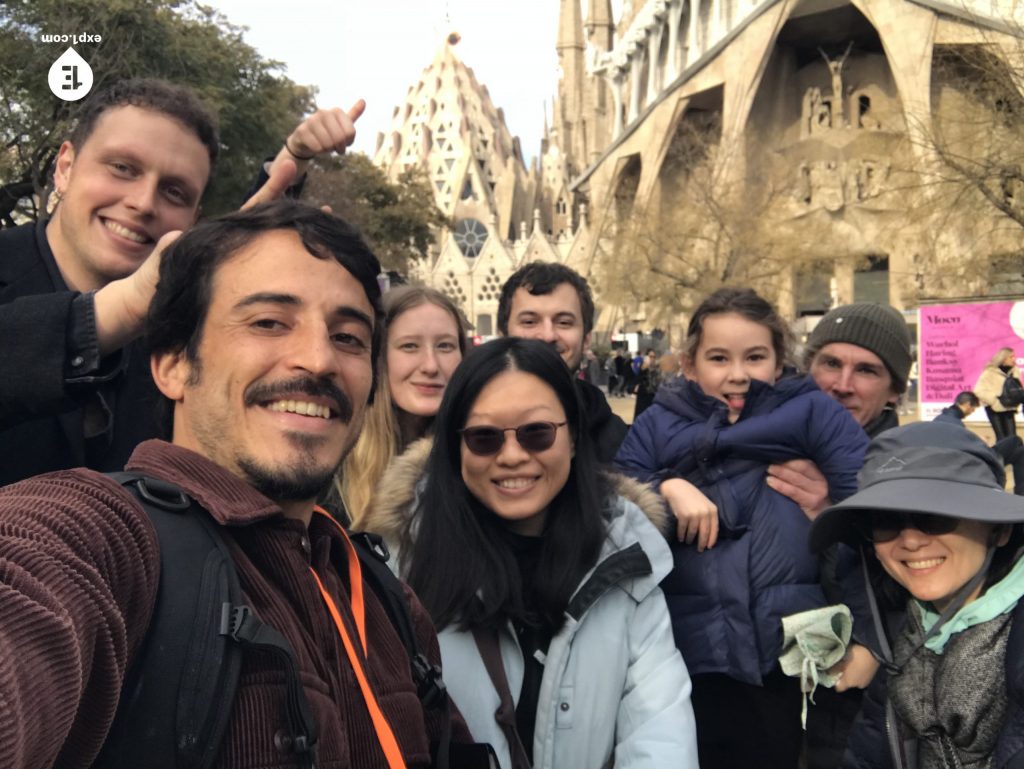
x,y
860,355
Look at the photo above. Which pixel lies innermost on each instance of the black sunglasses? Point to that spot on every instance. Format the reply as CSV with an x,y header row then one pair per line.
x,y
486,440
886,526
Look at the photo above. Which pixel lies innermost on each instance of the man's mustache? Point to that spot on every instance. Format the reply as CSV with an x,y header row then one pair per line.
x,y
318,388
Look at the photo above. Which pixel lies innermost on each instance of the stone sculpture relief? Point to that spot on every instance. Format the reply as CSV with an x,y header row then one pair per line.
x,y
842,107
832,184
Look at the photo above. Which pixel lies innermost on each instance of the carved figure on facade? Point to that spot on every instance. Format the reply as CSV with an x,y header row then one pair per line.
x,y
816,115
827,185
832,184
835,68
820,113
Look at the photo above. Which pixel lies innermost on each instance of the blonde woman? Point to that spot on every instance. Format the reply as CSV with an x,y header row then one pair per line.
x,y
990,386
425,339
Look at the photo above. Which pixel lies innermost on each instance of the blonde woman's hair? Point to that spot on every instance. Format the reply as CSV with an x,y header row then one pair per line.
x,y
999,357
380,439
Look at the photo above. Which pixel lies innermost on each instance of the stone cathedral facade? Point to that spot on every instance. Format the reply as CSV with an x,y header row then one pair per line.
x,y
819,107
827,105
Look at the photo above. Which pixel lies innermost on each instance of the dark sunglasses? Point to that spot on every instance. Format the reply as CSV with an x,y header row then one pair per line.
x,y
534,436
885,527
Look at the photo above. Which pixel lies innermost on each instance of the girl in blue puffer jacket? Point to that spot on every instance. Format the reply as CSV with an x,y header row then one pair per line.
x,y
741,559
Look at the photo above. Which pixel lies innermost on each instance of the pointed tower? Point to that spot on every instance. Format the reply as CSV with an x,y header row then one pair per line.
x,y
600,27
596,117
569,104
449,127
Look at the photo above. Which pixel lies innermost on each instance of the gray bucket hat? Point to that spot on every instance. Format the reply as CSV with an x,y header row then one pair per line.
x,y
927,467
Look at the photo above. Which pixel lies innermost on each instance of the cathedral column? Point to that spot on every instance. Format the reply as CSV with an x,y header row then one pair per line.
x,y
691,36
615,84
655,79
672,66
635,64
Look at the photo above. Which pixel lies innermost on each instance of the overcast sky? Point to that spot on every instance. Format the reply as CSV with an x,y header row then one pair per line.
x,y
376,49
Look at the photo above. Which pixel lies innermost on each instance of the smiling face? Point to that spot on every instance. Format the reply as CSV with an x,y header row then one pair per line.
x,y
515,484
283,371
856,378
139,175
555,318
934,567
732,352
422,353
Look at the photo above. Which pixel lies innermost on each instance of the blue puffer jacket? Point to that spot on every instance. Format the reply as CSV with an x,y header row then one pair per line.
x,y
727,602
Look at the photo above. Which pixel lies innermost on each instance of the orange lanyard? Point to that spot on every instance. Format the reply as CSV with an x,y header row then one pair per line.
x,y
388,743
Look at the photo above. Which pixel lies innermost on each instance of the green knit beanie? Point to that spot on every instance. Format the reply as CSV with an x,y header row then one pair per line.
x,y
878,328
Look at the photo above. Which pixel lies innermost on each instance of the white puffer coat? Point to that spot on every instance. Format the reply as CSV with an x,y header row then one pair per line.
x,y
615,691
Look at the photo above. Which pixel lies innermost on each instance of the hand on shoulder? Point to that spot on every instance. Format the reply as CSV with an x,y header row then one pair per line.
x,y
802,482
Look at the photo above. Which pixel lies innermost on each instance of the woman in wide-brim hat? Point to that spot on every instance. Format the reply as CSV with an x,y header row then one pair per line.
x,y
940,541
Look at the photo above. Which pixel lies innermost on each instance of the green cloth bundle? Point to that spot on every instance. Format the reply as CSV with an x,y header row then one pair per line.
x,y
813,641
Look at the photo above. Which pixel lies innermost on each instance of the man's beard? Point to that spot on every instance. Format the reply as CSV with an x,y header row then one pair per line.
x,y
300,481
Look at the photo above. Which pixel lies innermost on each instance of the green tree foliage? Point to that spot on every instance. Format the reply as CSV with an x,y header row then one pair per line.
x,y
179,40
397,218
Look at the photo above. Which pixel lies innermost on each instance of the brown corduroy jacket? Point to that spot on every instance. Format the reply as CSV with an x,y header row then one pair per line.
x,y
79,569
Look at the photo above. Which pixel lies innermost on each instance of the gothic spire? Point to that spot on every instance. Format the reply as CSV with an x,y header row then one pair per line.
x,y
570,25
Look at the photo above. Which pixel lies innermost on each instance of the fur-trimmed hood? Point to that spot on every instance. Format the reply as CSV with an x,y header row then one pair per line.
x,y
392,512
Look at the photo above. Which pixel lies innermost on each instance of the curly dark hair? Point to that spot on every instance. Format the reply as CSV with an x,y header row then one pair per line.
x,y
156,95
540,278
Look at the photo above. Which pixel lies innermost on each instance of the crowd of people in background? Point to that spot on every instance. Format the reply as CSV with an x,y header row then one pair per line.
x,y
345,537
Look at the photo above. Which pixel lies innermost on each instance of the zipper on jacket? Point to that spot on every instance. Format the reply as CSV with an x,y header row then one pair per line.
x,y
894,741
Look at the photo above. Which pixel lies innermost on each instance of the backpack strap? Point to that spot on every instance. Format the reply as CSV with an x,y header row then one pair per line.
x,y
373,555
178,695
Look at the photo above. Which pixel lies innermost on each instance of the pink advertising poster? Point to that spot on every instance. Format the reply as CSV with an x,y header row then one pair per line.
x,y
956,341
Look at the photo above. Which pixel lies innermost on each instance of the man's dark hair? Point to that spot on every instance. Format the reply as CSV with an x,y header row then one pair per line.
x,y
540,278
463,566
155,95
182,299
967,398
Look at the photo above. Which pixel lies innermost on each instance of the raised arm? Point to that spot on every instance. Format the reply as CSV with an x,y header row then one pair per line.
x,y
325,131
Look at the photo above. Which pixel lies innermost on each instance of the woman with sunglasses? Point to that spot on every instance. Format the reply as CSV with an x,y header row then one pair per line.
x,y
541,574
940,543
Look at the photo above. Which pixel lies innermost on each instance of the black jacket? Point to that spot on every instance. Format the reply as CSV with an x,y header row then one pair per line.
x,y
606,429
51,373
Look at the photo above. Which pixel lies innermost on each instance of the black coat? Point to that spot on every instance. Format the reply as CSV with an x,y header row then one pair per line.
x,y
606,429
50,372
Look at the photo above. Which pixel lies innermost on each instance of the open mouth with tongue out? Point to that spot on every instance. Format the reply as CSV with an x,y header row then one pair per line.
x,y
735,400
